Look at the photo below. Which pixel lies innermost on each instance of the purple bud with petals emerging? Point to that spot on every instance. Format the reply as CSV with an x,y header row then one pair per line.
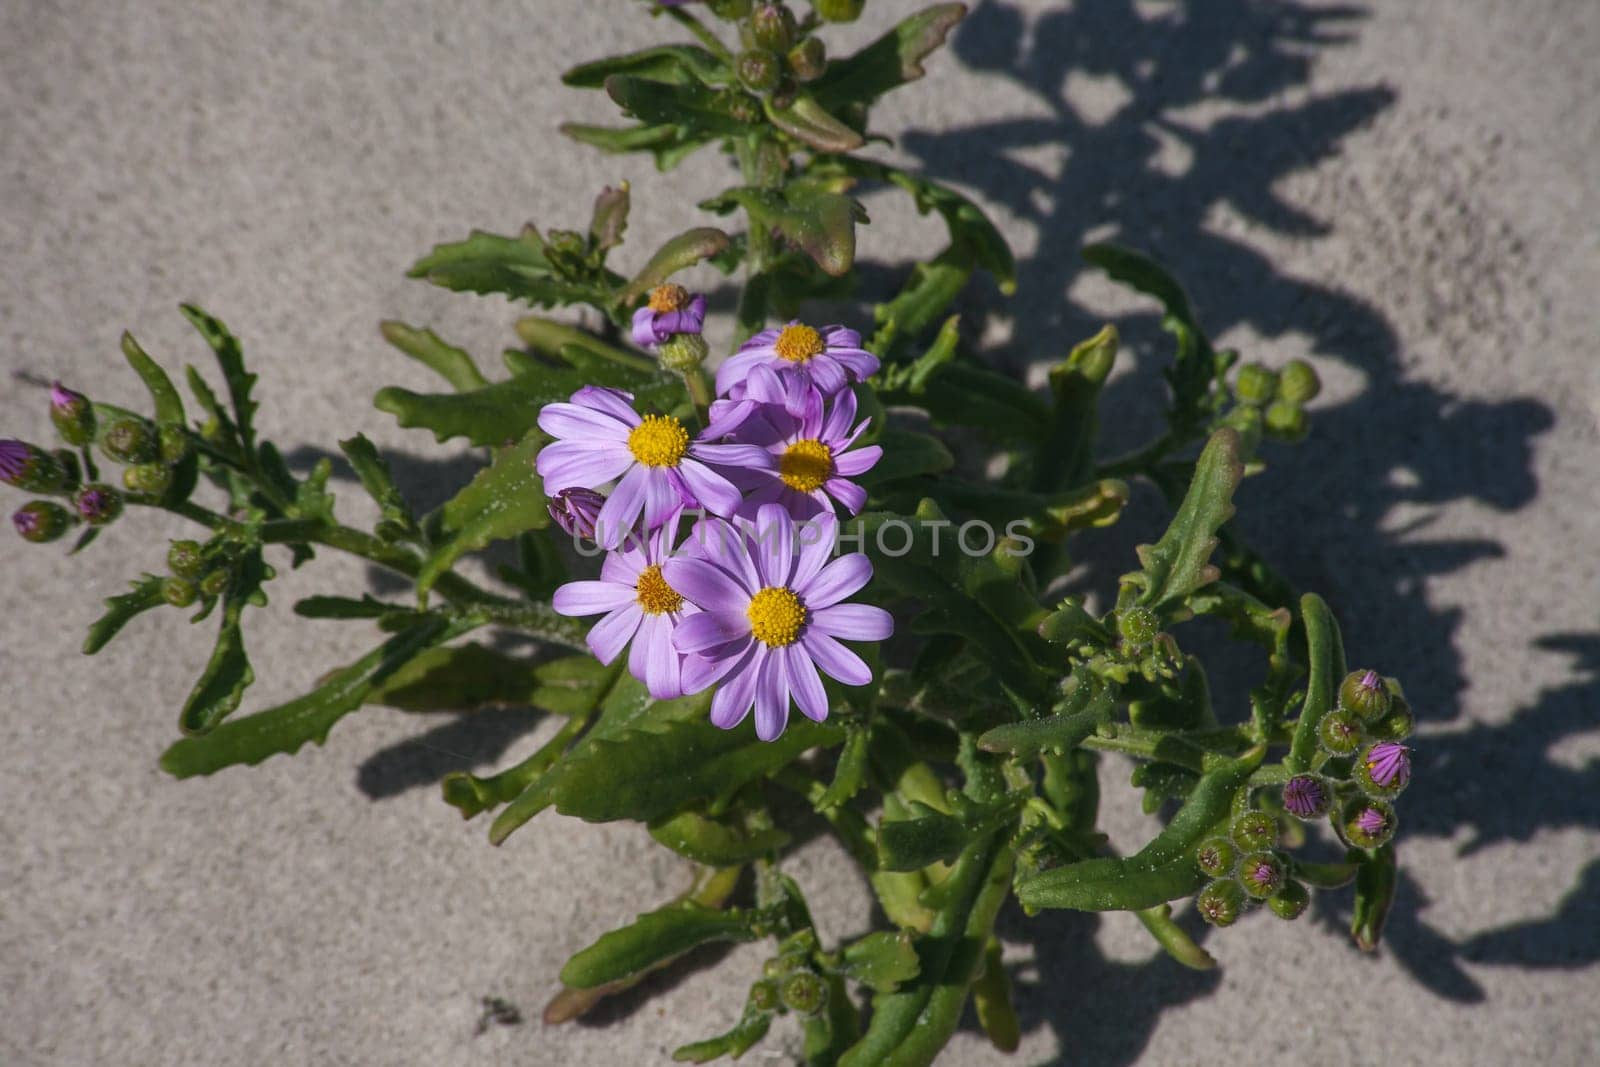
x,y
1364,693
576,511
1261,873
1384,769
98,504
1368,823
40,521
72,414
1305,797
30,469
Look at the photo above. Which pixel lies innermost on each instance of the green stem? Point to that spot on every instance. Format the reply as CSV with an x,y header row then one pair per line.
x,y
1141,460
701,31
701,392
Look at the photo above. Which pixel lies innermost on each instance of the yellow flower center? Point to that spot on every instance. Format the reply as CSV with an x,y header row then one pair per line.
x,y
776,616
655,595
805,465
799,343
658,441
669,297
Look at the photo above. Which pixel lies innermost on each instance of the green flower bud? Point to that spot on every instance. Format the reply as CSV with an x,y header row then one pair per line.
x,y
215,583
1367,823
804,992
839,10
98,504
130,441
1256,384
41,521
173,443
72,414
1291,901
568,243
758,71
1220,902
178,592
1285,419
1297,382
730,9
1364,693
150,479
1216,857
682,352
1339,732
764,995
772,27
1254,831
1261,874
1139,625
185,559
1398,725
31,469
808,59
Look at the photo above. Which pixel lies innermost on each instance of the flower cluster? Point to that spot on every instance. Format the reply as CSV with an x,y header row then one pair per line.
x,y
749,597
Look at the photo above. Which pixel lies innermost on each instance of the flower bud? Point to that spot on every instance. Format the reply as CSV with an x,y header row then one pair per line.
x,y
1285,419
41,521
130,441
1220,902
1306,797
1216,857
149,479
758,71
683,352
1398,725
1298,382
839,10
1364,693
577,511
1291,901
772,27
804,992
808,59
216,583
1256,385
179,592
1138,625
1384,769
98,504
173,443
1254,831
33,470
185,560
1339,732
764,996
1261,874
72,414
1368,823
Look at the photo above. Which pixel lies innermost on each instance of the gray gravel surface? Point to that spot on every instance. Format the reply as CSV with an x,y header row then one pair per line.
x,y
1404,193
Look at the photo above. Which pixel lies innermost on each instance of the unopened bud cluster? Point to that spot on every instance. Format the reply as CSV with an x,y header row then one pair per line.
x,y
778,55
1246,868
1363,764
1273,402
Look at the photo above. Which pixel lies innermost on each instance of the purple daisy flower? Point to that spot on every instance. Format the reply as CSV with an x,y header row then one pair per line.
x,y
577,511
639,607
600,437
831,357
810,440
1388,764
771,616
671,310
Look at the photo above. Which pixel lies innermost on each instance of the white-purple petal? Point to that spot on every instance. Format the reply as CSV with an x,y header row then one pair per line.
x,y
804,683
709,630
772,696
580,465
590,598
833,659
608,636
705,585
836,581
738,692
854,622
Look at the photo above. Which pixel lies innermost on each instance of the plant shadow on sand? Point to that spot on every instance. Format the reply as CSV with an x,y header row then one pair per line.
x,y
1402,444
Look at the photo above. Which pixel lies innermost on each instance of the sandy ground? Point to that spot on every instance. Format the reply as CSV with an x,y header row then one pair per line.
x,y
1406,193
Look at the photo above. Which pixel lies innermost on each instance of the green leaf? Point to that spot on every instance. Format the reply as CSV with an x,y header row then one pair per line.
x,y
517,267
1195,367
881,961
715,842
452,364
675,64
505,411
253,738
229,357
931,836
168,404
653,937
808,122
609,221
505,499
669,144
679,253
751,1028
991,997
1325,657
228,673
1057,733
341,607
907,455
120,609
1179,563
689,105
851,772
965,394
889,62
373,472
818,221
460,678
926,295
1066,455
1161,871
1375,885
969,227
